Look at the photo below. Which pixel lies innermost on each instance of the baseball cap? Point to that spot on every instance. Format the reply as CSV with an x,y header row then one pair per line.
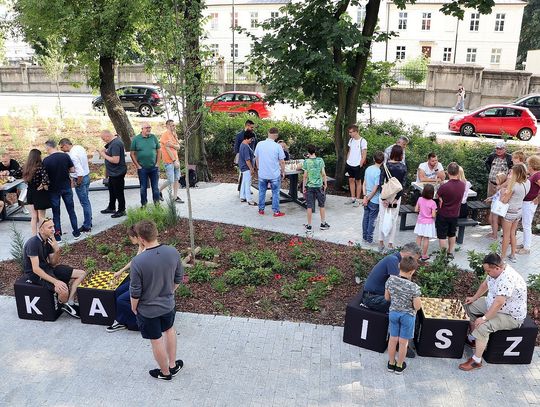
x,y
501,144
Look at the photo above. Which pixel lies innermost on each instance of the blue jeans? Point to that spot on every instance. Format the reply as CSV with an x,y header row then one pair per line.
x,y
401,324
153,174
371,211
276,186
376,302
82,194
124,315
245,186
67,196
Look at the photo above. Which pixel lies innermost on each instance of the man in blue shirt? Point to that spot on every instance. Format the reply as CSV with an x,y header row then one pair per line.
x,y
373,297
270,160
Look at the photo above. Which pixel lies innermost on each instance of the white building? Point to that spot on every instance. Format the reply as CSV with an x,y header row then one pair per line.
x,y
487,40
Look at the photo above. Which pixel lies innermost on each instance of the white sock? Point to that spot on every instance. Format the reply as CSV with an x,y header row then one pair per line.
x,y
471,338
477,359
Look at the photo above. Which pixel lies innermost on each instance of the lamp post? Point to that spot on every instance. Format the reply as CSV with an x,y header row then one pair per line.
x,y
233,49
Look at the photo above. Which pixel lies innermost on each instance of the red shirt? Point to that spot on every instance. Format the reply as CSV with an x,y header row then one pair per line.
x,y
451,194
533,192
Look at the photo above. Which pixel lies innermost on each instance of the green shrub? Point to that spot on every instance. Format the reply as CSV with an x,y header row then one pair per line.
x,y
162,216
438,278
302,280
306,258
17,246
334,276
415,70
287,291
184,291
363,265
247,235
219,285
199,273
250,291
90,264
240,259
533,281
276,238
104,249
256,259
218,234
314,296
476,263
208,253
240,276
235,276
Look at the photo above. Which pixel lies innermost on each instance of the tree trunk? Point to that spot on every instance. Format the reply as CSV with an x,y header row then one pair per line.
x,y
348,108
194,92
112,103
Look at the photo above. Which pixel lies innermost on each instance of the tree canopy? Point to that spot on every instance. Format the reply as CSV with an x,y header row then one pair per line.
x,y
530,30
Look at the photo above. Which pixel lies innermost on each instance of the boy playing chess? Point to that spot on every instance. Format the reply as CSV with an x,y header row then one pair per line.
x,y
404,297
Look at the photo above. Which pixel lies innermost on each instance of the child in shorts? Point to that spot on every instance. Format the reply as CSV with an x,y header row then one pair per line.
x,y
315,185
425,224
404,297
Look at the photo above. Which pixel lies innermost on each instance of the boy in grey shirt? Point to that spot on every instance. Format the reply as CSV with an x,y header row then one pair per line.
x,y
404,297
155,275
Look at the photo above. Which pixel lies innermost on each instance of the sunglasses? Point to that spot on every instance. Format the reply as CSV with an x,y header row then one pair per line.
x,y
44,220
148,127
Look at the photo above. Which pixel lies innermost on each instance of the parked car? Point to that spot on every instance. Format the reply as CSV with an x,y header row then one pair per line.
x,y
235,102
515,121
531,102
145,99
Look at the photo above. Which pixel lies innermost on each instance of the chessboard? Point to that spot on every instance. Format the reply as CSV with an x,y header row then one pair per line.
x,y
103,280
443,308
293,165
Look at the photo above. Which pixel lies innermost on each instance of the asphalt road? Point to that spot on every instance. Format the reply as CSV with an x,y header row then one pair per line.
x,y
430,119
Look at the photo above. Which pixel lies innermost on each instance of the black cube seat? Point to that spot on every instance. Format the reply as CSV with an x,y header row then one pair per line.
x,y
514,347
35,301
364,327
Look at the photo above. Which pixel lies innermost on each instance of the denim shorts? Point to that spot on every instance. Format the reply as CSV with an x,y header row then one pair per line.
x,y
401,324
315,194
173,174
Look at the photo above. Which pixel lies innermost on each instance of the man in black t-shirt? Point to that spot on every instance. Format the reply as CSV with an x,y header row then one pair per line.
x,y
114,155
58,166
41,266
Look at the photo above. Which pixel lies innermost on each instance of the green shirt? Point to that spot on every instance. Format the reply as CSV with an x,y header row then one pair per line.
x,y
314,167
145,149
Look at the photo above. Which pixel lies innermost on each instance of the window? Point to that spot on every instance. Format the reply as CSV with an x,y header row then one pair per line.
x,y
214,50
495,55
494,112
475,22
274,14
227,97
234,20
499,21
512,112
360,16
471,55
214,21
534,101
402,21
234,50
426,21
400,52
447,55
254,19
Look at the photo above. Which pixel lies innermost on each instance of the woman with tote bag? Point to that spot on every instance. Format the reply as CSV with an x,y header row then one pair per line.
x,y
518,187
392,170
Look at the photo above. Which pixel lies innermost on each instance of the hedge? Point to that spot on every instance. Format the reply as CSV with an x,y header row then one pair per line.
x,y
220,131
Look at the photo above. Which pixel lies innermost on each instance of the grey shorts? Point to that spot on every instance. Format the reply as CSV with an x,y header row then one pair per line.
x,y
313,194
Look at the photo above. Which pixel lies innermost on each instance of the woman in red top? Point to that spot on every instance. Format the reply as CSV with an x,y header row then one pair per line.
x,y
530,202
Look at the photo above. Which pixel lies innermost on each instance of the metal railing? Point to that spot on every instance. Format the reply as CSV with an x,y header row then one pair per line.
x,y
407,77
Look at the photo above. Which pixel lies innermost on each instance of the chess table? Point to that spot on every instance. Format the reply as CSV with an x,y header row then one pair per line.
x,y
97,297
441,328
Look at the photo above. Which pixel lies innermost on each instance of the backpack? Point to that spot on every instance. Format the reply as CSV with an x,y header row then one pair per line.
x,y
192,179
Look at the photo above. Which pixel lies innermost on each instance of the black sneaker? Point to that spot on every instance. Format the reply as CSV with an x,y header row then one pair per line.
x,y
179,365
157,374
116,326
58,237
118,214
161,197
71,310
324,226
179,200
391,367
83,229
399,370
108,210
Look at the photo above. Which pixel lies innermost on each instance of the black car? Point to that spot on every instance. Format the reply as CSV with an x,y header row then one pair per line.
x,y
147,100
531,102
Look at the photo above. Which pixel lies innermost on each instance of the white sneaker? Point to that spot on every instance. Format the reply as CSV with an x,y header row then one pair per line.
x,y
25,211
350,201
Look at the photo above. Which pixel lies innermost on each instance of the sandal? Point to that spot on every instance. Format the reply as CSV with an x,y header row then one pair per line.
x,y
252,203
523,251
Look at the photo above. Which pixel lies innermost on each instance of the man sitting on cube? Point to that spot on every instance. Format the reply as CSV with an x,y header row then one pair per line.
x,y
504,307
41,266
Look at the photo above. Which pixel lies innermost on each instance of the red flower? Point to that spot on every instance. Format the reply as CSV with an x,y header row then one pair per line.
x,y
277,276
351,243
185,279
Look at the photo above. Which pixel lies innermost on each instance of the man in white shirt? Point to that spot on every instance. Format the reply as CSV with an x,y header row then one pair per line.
x,y
80,179
356,160
270,160
403,142
430,171
504,307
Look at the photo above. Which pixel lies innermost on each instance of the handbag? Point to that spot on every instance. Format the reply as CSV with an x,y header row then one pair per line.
x,y
499,208
391,187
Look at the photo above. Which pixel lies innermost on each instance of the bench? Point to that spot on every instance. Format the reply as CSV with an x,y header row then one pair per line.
x,y
462,223
405,210
477,206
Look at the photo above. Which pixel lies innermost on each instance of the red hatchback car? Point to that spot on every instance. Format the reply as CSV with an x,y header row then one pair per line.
x,y
240,102
515,121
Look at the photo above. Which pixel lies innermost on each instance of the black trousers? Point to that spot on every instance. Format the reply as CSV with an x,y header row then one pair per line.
x,y
116,192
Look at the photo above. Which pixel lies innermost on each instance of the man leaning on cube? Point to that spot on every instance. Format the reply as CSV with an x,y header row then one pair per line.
x,y
504,307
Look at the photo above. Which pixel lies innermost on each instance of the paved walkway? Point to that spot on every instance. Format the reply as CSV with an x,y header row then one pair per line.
x,y
234,362
220,203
